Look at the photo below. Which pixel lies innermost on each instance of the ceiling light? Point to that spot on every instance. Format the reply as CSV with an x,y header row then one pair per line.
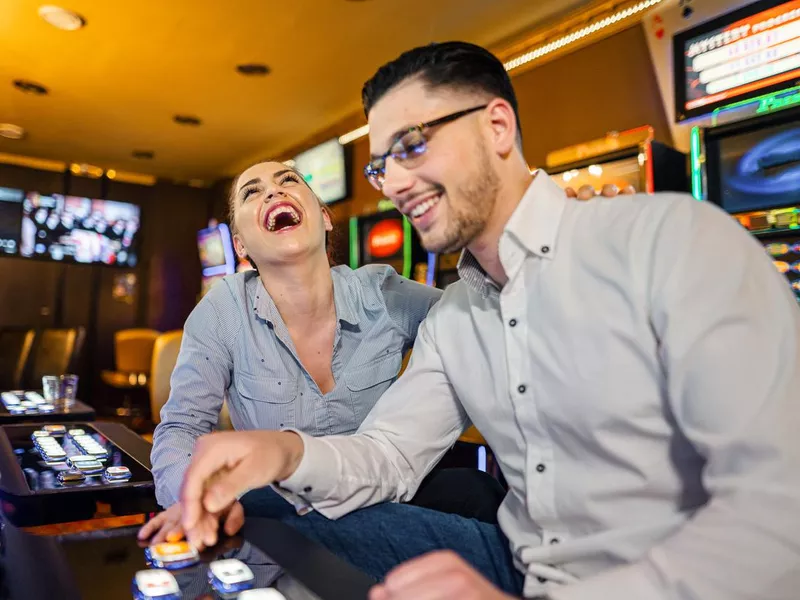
x,y
61,18
579,34
143,154
30,87
111,173
186,120
253,69
548,48
11,131
354,135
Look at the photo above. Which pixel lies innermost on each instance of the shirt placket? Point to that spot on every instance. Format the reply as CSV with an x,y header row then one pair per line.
x,y
540,468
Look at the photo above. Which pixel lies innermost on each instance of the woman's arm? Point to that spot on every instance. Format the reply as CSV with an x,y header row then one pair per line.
x,y
198,383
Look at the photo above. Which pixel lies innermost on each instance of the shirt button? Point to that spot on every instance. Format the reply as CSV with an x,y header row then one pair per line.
x,y
512,322
554,541
307,489
545,249
541,579
521,389
540,468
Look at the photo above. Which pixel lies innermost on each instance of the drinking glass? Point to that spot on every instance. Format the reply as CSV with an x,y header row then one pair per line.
x,y
51,388
69,389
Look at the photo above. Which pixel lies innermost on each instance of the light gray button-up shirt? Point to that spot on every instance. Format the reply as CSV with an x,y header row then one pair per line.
x,y
638,378
236,342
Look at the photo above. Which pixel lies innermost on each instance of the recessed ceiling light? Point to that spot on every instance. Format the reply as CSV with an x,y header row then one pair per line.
x,y
30,87
253,69
61,18
186,120
11,131
143,154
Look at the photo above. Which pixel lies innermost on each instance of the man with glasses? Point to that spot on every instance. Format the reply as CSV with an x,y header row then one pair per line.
x,y
632,362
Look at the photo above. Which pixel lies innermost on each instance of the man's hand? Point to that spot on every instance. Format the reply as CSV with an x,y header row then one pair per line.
x,y
226,465
586,192
436,576
166,526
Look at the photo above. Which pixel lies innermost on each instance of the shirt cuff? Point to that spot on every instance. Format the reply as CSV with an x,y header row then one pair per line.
x,y
631,581
317,475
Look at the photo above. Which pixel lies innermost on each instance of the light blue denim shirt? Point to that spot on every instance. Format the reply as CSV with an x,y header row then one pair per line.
x,y
236,342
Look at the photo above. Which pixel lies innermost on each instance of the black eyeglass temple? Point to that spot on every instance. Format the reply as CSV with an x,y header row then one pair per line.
x,y
454,116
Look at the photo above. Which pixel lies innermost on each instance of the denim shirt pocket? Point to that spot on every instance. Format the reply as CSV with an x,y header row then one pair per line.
x,y
268,402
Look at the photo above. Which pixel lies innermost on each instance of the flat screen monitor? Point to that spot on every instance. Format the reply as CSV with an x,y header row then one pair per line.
x,y
324,167
756,168
216,250
740,55
81,230
10,220
621,172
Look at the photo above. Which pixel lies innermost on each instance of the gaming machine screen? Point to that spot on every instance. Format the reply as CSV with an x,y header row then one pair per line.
x,y
741,54
10,219
759,169
83,230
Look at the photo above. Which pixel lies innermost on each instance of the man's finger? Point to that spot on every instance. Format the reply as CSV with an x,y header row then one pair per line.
x,y
586,192
570,193
628,190
235,519
419,568
226,485
379,592
203,466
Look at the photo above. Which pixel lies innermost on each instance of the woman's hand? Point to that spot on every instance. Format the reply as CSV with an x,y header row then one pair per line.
x,y
167,527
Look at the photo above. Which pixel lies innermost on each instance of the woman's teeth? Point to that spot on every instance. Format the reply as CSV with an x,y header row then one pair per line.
x,y
280,211
421,209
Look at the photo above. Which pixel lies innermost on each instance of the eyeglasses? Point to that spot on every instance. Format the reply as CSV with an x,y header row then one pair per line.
x,y
409,146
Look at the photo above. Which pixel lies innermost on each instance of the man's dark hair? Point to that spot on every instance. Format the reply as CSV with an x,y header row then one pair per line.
x,y
458,65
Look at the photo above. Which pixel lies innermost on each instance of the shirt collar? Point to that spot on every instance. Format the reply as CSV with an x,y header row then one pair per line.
x,y
343,298
534,225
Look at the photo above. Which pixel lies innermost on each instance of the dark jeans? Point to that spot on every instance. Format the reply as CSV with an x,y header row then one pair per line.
x,y
378,538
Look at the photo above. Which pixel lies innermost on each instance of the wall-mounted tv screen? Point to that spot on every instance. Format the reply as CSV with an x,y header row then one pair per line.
x,y
10,220
740,55
324,167
216,250
82,230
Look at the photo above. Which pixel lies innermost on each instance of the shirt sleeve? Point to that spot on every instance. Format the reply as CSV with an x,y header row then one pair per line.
x,y
413,424
408,302
202,374
727,326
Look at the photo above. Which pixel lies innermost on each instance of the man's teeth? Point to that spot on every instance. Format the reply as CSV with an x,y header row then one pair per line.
x,y
282,210
421,209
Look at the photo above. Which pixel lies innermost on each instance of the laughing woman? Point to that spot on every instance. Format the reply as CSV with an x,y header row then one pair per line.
x,y
294,344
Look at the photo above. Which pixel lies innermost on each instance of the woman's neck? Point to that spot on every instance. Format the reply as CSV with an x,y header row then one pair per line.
x,y
302,292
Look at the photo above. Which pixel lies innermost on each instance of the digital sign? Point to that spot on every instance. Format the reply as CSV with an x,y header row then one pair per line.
x,y
738,56
385,238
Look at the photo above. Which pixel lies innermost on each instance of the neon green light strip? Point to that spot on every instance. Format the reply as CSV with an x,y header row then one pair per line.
x,y
697,172
406,248
766,103
354,242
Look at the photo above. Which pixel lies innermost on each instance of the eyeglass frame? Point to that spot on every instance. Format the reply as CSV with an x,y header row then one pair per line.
x,y
421,127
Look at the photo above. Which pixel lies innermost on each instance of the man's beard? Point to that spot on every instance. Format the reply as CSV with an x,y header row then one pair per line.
x,y
476,199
